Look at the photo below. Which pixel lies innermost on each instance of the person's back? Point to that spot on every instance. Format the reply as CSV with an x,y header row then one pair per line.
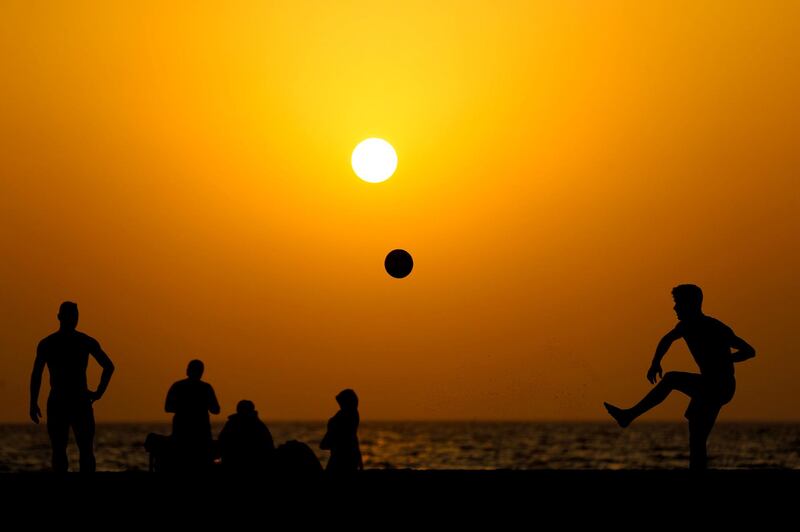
x,y
66,354
191,400
245,441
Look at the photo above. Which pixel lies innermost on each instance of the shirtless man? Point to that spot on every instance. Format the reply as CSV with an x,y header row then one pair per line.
x,y
710,342
66,355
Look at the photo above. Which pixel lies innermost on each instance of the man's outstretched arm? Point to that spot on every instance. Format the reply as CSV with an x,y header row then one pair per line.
x,y
661,350
744,351
108,369
36,384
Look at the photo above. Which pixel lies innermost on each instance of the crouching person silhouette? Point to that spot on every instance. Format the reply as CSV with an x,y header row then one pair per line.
x,y
245,441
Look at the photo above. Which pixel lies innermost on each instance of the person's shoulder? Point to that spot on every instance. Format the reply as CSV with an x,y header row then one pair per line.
x,y
47,340
86,339
714,322
179,384
46,346
716,325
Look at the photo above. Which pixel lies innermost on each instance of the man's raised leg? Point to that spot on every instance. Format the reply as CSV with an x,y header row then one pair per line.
x,y
688,383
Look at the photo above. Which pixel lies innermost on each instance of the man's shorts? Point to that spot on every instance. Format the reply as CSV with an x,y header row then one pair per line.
x,y
714,395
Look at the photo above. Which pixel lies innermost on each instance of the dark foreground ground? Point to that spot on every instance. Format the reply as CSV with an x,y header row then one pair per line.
x,y
389,498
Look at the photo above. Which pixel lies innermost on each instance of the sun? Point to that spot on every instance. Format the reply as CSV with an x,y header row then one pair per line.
x,y
374,160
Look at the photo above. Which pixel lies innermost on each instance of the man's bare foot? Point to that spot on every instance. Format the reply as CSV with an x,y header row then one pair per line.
x,y
620,415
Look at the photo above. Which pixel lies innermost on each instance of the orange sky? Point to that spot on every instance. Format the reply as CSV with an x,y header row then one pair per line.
x,y
183,173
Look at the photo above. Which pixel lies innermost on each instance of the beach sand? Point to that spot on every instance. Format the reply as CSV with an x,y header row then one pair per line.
x,y
389,497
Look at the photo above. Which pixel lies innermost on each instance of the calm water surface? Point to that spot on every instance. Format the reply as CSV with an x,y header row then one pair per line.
x,y
461,445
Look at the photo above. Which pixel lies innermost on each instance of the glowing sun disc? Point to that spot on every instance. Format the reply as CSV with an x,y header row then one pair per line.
x,y
374,160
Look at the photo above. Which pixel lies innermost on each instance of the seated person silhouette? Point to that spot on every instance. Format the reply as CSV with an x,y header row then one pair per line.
x,y
191,400
245,441
710,342
342,436
66,354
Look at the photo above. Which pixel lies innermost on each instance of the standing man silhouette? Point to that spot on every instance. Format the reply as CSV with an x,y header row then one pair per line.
x,y
66,355
191,399
710,342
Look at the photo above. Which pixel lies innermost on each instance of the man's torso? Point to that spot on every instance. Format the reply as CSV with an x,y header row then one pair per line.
x,y
67,357
709,341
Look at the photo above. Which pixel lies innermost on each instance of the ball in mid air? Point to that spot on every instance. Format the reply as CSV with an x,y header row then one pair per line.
x,y
398,263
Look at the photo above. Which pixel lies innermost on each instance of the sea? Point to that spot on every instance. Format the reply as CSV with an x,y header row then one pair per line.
x,y
467,445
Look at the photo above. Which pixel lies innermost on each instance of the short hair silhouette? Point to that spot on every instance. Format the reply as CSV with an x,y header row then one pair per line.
x,y
688,294
68,314
195,369
347,399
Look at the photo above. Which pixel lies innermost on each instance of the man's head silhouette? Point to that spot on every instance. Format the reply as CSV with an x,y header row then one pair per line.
x,y
195,369
68,315
688,301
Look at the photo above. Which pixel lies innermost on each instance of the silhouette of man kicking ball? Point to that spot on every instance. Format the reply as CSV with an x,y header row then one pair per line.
x,y
710,342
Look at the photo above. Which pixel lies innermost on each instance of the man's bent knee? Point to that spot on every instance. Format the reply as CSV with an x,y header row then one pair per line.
x,y
670,378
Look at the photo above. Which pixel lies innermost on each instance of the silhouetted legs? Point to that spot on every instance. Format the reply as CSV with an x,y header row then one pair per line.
x,y
58,430
83,427
193,450
61,415
702,412
343,462
689,383
699,430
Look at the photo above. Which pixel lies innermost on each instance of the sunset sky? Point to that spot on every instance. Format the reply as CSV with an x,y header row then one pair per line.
x,y
181,170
